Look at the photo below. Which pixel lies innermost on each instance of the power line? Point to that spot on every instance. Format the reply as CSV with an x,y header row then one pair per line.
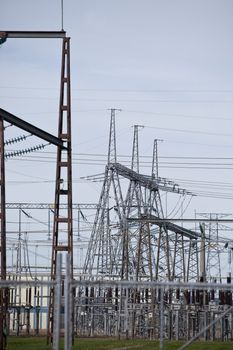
x,y
125,90
121,100
190,131
94,158
179,115
141,156
164,165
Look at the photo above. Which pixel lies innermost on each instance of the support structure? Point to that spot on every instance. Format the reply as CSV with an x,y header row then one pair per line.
x,y
163,259
102,249
134,206
4,115
63,190
213,247
3,291
63,220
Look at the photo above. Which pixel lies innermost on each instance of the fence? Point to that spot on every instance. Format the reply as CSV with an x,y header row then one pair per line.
x,y
130,309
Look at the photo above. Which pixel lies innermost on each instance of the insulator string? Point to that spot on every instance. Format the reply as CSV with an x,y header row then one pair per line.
x,y
24,151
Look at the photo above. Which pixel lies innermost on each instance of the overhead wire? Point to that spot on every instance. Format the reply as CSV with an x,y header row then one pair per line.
x,y
191,163
122,90
114,99
144,163
177,206
189,131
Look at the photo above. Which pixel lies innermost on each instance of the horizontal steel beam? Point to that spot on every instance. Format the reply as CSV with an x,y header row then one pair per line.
x,y
50,206
32,34
22,124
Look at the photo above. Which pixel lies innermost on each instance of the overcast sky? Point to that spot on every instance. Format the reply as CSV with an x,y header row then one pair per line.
x,y
167,64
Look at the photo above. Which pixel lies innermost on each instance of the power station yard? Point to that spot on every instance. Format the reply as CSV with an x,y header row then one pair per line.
x,y
124,242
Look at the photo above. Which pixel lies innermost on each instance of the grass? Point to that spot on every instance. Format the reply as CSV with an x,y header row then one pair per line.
x,y
39,343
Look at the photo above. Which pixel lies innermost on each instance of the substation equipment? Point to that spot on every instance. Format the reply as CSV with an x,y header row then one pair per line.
x,y
132,240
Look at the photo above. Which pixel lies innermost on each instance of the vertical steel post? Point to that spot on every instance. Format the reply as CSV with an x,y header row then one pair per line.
x,y
3,291
126,312
202,254
57,305
161,339
68,310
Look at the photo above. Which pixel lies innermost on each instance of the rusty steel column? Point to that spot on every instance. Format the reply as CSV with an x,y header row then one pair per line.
x,y
63,221
3,291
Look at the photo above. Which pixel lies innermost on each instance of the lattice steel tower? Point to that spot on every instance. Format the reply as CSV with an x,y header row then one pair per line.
x,y
102,248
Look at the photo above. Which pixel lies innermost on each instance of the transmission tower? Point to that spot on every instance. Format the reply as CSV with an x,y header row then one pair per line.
x,y
106,236
163,258
134,206
104,258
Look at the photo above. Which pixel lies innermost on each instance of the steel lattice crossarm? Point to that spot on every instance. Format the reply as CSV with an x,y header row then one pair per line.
x,y
78,206
167,225
145,180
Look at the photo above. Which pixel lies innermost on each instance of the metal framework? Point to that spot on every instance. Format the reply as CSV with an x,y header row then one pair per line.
x,y
63,171
105,239
212,228
50,206
4,115
185,319
63,220
130,251
132,240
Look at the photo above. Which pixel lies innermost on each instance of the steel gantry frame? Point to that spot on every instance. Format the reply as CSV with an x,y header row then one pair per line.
x,y
63,172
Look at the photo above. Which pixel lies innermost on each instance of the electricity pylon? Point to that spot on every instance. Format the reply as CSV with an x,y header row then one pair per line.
x,y
106,236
